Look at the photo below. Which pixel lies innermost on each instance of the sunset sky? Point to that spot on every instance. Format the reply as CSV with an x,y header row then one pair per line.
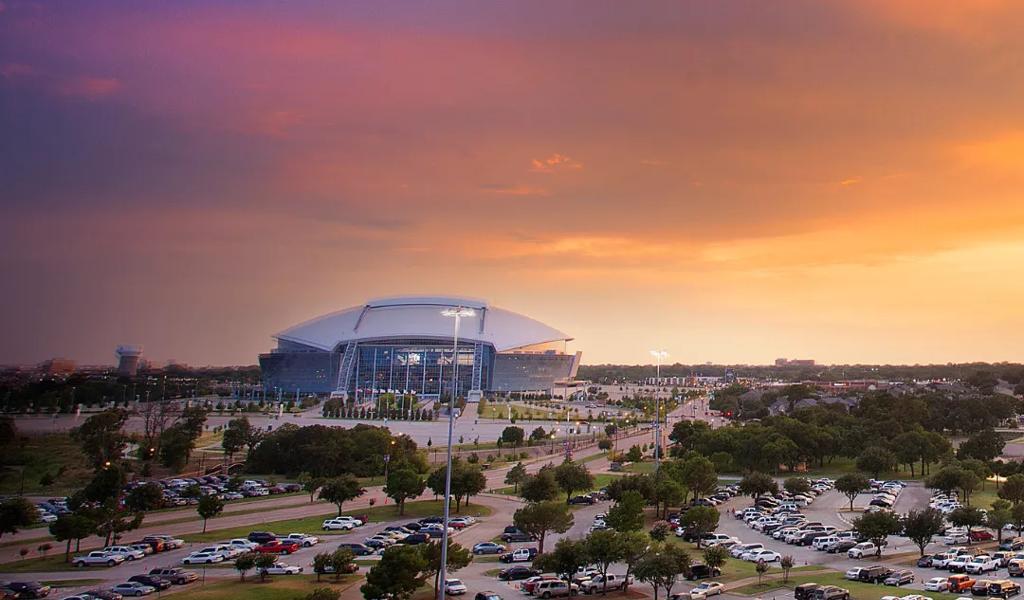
x,y
730,181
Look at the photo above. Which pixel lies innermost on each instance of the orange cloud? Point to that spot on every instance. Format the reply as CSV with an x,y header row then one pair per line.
x,y
851,181
518,189
555,162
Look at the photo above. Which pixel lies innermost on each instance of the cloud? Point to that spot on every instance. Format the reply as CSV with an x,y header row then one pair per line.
x,y
553,163
89,88
517,189
851,181
12,70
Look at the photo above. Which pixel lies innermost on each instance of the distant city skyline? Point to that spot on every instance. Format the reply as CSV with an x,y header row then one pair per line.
x,y
732,181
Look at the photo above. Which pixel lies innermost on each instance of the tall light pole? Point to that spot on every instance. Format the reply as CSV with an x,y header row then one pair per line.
x,y
658,356
457,313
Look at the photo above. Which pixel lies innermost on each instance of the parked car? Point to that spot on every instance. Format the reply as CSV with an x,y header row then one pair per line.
x,y
341,523
831,592
127,552
875,574
702,571
454,587
519,555
357,549
1003,588
488,548
980,587
174,575
487,596
98,558
203,558
517,573
598,583
261,537
152,581
900,577
980,564
581,500
554,588
278,547
133,588
517,536
706,589
936,584
960,583
805,591
279,568
861,550
303,539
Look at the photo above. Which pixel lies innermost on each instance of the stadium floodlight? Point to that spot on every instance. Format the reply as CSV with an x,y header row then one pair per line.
x,y
659,356
458,313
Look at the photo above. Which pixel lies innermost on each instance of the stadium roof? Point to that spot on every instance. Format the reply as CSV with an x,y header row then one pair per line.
x,y
420,317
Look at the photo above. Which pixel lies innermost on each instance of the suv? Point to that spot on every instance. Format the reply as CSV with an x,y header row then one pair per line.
x,y
554,588
702,571
874,574
861,550
830,592
261,537
805,591
1003,588
174,575
901,577
516,536
960,583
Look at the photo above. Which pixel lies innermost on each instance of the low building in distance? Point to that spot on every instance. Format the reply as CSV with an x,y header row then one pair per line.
x,y
405,345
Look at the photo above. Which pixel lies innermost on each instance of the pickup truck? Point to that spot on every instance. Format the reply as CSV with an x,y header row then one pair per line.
x,y
982,563
597,583
98,558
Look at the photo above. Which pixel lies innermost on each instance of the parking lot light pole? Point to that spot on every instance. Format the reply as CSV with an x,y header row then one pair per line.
x,y
457,313
658,355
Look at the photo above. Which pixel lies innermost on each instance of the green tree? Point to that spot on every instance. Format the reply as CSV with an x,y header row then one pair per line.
x,y
796,485
515,476
876,527
851,485
603,549
662,566
698,475
540,487
876,460
920,526
310,484
567,557
715,556
757,484
321,564
236,436
397,575
345,487
467,480
102,437
72,526
341,561
148,496
667,493
1017,516
967,516
538,435
458,557
628,512
700,520
984,445
540,518
16,513
245,563
209,507
262,562
572,477
513,435
402,484
1013,489
633,547
761,568
635,454
786,563
999,517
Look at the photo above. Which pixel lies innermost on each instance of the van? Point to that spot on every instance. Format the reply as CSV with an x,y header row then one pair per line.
x,y
823,543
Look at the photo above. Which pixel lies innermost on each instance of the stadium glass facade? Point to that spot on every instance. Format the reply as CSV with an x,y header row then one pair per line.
x,y
422,367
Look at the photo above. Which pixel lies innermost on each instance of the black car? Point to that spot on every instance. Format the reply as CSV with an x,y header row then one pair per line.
x,y
357,549
377,544
415,538
518,536
261,537
809,537
842,546
29,589
151,580
702,571
581,500
805,591
428,520
874,574
486,596
413,526
517,573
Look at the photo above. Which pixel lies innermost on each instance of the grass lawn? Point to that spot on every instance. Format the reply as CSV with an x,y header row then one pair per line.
x,y
858,590
639,467
43,564
603,479
38,455
413,510
281,587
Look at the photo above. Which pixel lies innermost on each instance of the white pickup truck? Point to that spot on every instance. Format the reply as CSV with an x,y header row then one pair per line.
x,y
597,583
982,563
98,559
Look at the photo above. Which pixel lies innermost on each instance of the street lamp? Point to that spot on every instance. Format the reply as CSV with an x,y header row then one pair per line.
x,y
658,355
458,313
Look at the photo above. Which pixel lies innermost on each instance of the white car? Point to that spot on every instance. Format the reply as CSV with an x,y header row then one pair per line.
x,y
304,540
861,550
762,555
226,550
853,574
454,587
98,559
203,558
742,549
127,552
243,544
341,524
959,564
133,588
282,569
936,584
705,589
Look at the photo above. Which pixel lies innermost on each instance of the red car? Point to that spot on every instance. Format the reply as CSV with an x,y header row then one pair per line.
x,y
980,535
278,547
